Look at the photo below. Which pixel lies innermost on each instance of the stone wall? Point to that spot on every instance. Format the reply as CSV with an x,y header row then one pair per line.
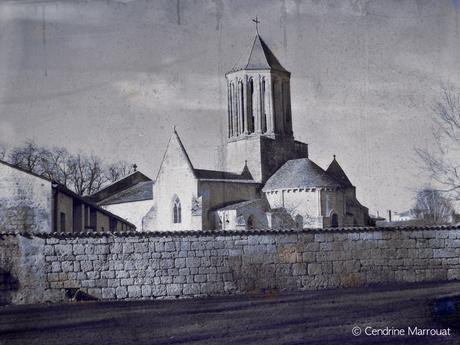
x,y
25,201
175,264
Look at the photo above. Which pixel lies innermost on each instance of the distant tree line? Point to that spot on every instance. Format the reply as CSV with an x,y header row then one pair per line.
x,y
431,207
441,161
84,174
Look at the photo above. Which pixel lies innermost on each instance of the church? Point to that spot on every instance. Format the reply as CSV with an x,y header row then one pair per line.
x,y
268,181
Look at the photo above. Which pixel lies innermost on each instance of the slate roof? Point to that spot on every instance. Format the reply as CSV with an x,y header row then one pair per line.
x,y
139,192
121,185
337,172
203,174
300,173
239,204
260,57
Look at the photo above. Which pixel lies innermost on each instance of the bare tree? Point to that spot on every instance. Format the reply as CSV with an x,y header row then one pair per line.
x,y
83,174
86,174
57,165
432,207
442,161
118,170
30,157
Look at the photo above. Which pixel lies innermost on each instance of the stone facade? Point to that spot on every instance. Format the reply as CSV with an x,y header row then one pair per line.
x,y
177,264
25,201
197,191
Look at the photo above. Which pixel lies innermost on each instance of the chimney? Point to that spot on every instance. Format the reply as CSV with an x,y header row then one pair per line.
x,y
389,215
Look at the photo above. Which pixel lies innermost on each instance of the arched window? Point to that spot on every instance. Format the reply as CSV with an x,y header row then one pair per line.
x,y
263,124
176,211
250,223
250,106
334,220
242,106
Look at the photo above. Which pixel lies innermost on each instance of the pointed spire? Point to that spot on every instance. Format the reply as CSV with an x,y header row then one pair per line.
x,y
336,171
260,58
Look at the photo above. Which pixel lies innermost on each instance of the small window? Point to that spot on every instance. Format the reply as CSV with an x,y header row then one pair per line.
x,y
62,218
334,220
177,211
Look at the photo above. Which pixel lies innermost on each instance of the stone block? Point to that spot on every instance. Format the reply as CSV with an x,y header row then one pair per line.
x,y
108,274
197,245
159,290
116,248
167,263
108,293
174,289
141,247
134,291
299,269
63,249
67,266
86,266
191,289
453,274
55,266
146,291
159,246
170,247
128,248
121,292
179,263
199,278
192,262
314,269
179,279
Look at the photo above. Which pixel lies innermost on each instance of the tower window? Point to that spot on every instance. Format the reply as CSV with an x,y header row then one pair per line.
x,y
176,211
263,107
251,119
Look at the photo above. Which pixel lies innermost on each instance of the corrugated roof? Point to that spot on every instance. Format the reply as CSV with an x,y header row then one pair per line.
x,y
337,172
260,57
300,173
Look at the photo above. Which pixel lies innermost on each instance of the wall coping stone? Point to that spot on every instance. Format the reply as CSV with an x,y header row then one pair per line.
x,y
199,233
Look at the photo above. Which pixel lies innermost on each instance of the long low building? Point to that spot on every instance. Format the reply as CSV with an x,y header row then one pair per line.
x,y
33,203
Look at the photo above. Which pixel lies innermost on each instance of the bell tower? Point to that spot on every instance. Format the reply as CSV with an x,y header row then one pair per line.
x,y
259,98
259,119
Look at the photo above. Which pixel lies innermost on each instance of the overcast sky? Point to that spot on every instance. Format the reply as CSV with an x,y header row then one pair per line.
x,y
113,77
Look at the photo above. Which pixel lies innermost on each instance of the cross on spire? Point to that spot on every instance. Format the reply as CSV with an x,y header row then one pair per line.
x,y
257,21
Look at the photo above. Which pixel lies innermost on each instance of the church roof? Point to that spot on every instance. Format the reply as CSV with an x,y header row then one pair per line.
x,y
203,174
337,172
138,192
300,173
260,57
118,186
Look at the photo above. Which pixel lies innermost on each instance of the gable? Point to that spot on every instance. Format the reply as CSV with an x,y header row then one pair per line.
x,y
175,158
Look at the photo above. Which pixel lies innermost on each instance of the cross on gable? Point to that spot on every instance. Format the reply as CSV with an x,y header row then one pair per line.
x,y
257,22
